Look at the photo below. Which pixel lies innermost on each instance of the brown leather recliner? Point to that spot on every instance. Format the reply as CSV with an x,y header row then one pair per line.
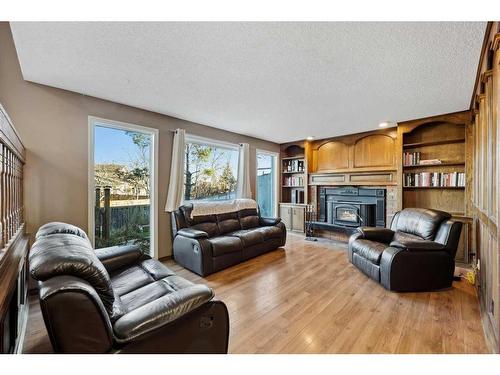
x,y
118,300
210,243
416,254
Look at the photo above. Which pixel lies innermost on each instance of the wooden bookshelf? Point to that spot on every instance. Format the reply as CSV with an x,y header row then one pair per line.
x,y
293,166
445,138
441,141
293,197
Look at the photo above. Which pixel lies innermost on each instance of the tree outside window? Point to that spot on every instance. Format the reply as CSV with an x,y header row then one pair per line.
x,y
210,172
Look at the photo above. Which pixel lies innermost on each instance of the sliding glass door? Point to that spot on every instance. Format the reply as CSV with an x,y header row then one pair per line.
x,y
267,182
122,185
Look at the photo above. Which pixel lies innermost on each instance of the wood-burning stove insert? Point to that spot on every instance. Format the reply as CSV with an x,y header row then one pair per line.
x,y
351,207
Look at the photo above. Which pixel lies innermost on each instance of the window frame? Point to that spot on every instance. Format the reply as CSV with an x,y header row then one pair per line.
x,y
276,178
191,138
119,125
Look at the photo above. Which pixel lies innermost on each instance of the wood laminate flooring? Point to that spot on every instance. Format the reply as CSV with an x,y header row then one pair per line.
x,y
307,298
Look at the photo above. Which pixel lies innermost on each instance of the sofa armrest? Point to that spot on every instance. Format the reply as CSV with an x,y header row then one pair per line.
x,y
160,312
411,271
192,233
418,245
79,322
384,235
118,256
269,221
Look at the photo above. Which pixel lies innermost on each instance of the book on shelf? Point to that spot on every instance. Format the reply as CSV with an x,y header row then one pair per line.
x,y
294,165
293,181
434,179
297,196
413,159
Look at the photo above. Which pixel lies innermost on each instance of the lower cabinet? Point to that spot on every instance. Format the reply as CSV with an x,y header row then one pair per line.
x,y
293,216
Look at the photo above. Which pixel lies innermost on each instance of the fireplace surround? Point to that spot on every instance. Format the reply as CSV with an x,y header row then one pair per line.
x,y
351,207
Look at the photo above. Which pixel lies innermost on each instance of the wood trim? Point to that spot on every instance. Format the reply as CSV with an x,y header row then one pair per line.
x,y
480,62
457,118
14,253
487,74
354,178
496,42
9,135
485,160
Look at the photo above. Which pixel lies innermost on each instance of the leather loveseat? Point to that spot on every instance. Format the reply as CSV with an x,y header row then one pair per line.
x,y
416,254
119,300
209,243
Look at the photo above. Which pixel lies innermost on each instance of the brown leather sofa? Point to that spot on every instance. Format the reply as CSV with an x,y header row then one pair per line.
x,y
118,300
210,243
416,254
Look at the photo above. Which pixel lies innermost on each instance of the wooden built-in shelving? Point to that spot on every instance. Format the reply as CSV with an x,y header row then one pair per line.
x,y
443,139
434,143
293,167
444,164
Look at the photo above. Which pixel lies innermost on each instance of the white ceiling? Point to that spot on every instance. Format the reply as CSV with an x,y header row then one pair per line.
x,y
275,81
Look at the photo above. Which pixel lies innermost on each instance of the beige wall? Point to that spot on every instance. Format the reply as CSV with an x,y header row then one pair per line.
x,y
53,125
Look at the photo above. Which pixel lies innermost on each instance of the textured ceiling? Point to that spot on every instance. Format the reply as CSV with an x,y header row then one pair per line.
x,y
275,81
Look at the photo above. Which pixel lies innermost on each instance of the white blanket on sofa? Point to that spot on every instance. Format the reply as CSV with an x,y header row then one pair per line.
x,y
202,208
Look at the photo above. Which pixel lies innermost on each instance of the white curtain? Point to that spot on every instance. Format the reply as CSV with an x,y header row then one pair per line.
x,y
176,183
243,187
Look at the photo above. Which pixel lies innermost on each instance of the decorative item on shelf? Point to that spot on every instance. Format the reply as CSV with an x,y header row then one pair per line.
x,y
430,162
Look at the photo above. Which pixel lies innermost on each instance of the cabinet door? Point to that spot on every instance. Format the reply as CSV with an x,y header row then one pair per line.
x,y
298,219
286,216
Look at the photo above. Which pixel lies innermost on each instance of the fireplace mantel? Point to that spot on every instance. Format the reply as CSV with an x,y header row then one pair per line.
x,y
355,178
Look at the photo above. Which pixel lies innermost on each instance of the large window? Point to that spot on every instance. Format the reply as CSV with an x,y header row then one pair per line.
x,y
267,183
122,185
211,170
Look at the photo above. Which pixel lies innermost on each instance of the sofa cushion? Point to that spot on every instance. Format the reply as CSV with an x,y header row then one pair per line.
x,y
152,291
270,232
143,273
210,228
224,245
421,222
205,223
249,237
64,254
56,227
228,222
403,237
249,218
369,250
